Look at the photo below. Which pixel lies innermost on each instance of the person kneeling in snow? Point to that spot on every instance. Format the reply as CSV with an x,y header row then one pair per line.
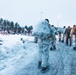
x,y
42,31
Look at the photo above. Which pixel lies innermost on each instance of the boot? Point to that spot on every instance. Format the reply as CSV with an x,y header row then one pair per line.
x,y
59,39
44,69
62,41
51,48
74,48
39,64
70,44
54,47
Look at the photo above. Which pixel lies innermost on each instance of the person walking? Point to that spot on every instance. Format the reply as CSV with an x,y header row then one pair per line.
x,y
74,33
53,37
68,35
59,30
63,31
42,31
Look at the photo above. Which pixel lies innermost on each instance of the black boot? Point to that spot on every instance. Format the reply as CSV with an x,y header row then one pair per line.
x,y
51,48
74,48
59,39
39,64
70,44
54,47
62,41
44,69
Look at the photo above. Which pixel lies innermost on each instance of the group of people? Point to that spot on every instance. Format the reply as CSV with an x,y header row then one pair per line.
x,y
67,34
45,34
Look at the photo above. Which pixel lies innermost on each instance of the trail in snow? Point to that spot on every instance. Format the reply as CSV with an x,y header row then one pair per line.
x,y
62,62
14,55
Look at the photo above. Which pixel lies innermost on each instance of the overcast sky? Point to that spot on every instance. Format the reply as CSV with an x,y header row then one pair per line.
x,y
29,12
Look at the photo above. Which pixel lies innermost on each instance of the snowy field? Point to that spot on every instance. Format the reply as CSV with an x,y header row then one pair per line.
x,y
18,57
14,54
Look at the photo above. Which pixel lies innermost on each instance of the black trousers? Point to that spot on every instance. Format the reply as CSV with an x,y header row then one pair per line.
x,y
68,39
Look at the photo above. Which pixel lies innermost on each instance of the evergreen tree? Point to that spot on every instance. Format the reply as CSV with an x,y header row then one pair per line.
x,y
12,25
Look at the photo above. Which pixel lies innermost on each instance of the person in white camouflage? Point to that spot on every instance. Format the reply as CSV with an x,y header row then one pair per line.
x,y
43,32
64,35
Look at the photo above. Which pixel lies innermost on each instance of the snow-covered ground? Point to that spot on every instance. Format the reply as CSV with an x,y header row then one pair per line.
x,y
14,54
18,57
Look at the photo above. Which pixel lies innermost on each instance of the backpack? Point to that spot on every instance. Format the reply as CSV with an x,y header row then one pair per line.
x,y
42,30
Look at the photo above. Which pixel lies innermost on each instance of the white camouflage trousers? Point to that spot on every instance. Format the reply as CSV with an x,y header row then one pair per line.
x,y
43,54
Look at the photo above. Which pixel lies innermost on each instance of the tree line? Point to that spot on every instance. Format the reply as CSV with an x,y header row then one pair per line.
x,y
14,28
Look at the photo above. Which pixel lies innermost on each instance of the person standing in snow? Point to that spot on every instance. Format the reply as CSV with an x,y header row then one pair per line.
x,y
53,37
68,35
59,33
74,33
63,31
42,31
74,30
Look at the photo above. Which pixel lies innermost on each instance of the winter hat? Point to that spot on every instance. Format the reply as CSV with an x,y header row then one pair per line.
x,y
47,20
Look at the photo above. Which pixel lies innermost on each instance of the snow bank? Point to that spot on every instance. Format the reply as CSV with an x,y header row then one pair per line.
x,y
14,53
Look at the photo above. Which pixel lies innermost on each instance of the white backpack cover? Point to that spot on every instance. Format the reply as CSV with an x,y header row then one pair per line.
x,y
42,29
